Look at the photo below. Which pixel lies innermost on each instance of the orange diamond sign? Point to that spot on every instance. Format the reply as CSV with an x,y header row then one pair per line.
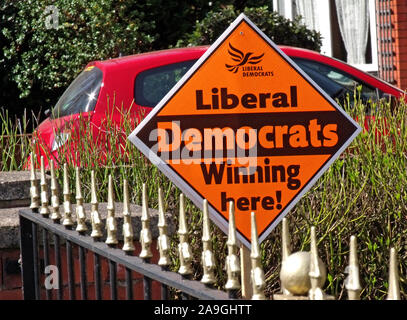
x,y
245,124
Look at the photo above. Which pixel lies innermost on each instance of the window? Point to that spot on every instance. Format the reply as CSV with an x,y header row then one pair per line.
x,y
336,83
348,28
153,84
81,95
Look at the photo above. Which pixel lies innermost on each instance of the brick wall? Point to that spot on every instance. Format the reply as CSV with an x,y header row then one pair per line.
x,y
391,17
399,34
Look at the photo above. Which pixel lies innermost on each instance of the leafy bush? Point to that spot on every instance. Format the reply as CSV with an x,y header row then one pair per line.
x,y
80,31
37,63
281,30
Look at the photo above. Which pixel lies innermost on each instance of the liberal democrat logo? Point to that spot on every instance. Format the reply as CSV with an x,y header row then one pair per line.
x,y
244,60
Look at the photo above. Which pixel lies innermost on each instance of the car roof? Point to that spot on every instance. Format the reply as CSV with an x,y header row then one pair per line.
x,y
121,63
169,54
174,54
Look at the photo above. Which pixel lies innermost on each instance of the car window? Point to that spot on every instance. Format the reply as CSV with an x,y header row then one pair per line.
x,y
336,82
153,84
81,95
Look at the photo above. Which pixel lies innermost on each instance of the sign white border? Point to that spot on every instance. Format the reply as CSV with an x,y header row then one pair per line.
x,y
191,193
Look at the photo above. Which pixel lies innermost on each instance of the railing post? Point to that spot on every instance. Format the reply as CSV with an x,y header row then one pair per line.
x,y
83,274
128,246
71,270
96,221
145,240
315,272
67,221
28,243
58,263
286,249
55,215
98,276
111,240
44,210
27,259
163,242
35,264
34,193
208,258
48,292
79,209
97,235
257,273
184,250
394,287
232,261
352,283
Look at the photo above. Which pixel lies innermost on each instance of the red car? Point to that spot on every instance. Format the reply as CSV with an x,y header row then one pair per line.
x,y
135,84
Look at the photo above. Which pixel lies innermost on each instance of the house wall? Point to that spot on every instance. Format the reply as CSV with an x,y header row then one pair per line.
x,y
399,35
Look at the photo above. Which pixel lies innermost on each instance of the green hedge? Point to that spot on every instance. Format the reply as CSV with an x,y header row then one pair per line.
x,y
281,30
50,55
37,63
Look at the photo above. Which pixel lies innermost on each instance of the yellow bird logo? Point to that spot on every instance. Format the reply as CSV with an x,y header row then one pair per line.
x,y
241,58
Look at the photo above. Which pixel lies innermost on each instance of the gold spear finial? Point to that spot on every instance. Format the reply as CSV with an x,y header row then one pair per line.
x,y
184,250
286,248
162,241
96,221
257,273
286,239
44,210
208,259
145,233
315,273
80,211
315,293
35,195
128,235
67,222
111,225
55,215
232,260
394,287
352,283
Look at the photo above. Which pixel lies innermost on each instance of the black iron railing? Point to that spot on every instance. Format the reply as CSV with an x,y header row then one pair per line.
x,y
48,239
35,250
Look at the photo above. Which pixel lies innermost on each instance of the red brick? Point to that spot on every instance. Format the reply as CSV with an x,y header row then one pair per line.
x,y
9,281
15,294
399,6
401,28
138,293
401,17
14,281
